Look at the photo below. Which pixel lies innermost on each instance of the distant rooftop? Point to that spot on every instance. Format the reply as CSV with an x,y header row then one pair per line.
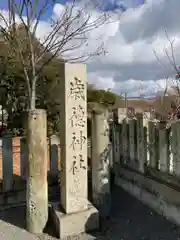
x,y
140,98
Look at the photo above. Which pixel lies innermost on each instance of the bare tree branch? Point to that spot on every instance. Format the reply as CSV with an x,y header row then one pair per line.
x,y
66,34
174,83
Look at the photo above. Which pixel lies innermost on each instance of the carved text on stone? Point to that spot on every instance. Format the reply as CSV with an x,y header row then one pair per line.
x,y
78,140
78,163
77,89
78,117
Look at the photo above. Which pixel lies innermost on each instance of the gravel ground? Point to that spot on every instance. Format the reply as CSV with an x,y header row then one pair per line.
x,y
129,220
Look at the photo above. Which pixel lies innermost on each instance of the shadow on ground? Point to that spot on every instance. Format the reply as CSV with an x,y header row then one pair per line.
x,y
132,220
129,220
15,216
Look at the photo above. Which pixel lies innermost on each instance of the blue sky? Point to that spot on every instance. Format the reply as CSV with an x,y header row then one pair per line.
x,y
107,5
4,5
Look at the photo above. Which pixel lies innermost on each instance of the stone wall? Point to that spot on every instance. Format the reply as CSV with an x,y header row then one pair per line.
x,y
146,156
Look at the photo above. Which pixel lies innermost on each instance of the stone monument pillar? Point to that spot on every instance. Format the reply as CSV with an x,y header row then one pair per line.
x,y
73,137
79,215
100,159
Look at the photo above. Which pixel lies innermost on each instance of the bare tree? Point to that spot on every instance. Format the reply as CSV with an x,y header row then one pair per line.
x,y
66,33
172,86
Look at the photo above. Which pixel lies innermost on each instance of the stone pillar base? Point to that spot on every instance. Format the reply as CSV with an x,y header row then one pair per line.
x,y
75,223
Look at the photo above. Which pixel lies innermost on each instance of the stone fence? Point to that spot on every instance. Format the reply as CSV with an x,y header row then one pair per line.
x,y
13,161
149,147
146,156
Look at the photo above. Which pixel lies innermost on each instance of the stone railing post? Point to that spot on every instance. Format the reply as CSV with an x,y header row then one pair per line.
x,y
125,141
100,159
164,156
132,147
176,147
141,143
116,139
120,136
146,138
116,144
153,144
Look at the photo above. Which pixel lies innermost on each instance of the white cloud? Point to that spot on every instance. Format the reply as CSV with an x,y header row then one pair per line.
x,y
130,64
99,80
130,59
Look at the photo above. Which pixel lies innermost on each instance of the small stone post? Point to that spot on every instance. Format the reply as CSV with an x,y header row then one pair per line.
x,y
146,120
164,157
141,143
125,141
132,149
176,147
37,191
117,144
113,130
116,139
100,159
153,145
119,115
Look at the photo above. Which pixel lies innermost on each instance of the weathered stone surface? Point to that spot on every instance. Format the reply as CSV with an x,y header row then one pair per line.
x,y
132,150
100,161
73,135
152,145
116,143
125,141
176,147
140,143
69,225
163,147
37,197
120,114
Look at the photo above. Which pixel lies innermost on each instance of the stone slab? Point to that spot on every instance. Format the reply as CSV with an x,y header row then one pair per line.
x,y
75,223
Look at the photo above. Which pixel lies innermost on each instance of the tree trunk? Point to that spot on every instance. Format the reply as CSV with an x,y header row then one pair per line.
x,y
33,94
37,190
